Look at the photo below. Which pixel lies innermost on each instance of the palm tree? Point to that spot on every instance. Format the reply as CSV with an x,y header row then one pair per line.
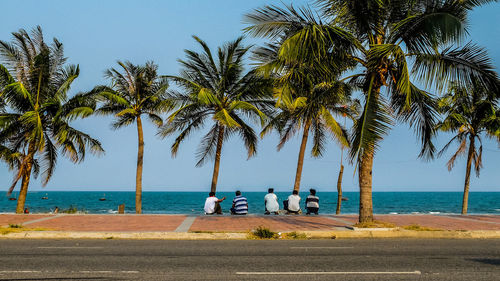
x,y
381,38
34,83
339,179
217,89
308,100
135,91
469,113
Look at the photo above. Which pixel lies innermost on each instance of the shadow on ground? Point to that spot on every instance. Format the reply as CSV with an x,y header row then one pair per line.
x,y
487,261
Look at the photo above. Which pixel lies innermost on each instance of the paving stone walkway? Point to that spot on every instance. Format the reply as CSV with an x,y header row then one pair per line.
x,y
226,223
276,223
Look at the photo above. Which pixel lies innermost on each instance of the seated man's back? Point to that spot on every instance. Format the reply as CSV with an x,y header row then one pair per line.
x,y
240,205
210,204
272,204
294,203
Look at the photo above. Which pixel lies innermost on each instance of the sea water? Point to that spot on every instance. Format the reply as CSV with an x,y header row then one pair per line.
x,y
193,202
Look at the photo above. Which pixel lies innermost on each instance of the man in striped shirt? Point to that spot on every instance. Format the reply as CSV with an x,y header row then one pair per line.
x,y
240,205
312,202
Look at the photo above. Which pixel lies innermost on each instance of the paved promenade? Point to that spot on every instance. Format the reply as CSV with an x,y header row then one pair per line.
x,y
227,223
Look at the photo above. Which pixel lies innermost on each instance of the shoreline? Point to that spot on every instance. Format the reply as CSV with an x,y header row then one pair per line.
x,y
191,203
225,214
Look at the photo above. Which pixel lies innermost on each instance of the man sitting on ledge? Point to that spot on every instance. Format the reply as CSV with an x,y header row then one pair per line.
x,y
240,205
294,203
212,205
312,202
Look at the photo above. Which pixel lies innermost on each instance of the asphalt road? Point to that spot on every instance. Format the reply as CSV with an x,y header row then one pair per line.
x,y
380,259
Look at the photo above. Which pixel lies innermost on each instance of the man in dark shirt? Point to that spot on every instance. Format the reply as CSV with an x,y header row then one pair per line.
x,y
312,202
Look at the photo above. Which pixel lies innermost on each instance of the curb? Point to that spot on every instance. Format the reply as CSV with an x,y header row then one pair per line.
x,y
124,235
395,233
398,233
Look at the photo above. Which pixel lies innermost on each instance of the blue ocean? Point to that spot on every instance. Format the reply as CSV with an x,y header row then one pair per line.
x,y
192,202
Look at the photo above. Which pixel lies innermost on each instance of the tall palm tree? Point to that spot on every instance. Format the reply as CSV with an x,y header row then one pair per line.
x,y
34,83
308,101
218,89
339,179
135,91
381,38
469,113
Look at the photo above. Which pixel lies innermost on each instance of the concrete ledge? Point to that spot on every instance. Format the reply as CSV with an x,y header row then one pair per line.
x,y
371,229
477,234
123,235
399,233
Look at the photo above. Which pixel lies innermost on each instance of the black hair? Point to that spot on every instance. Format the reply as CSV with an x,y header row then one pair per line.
x,y
270,190
238,193
313,191
295,192
211,193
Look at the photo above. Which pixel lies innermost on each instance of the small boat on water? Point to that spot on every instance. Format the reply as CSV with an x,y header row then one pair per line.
x,y
45,197
103,198
12,199
345,199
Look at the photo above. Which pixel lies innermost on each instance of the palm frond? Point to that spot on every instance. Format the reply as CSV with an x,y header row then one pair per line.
x,y
208,145
462,65
460,151
371,126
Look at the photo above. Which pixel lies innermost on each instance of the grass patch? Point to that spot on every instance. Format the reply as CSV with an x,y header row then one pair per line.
x,y
294,235
416,227
73,210
201,231
263,232
7,230
375,224
16,228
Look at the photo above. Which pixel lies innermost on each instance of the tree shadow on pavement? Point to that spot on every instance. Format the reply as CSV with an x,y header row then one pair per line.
x,y
487,261
66,278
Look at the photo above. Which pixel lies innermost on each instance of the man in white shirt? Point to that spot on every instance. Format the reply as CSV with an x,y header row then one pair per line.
x,y
271,202
212,205
294,203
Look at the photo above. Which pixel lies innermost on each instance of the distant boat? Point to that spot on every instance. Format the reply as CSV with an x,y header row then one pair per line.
x,y
345,199
45,197
103,197
12,199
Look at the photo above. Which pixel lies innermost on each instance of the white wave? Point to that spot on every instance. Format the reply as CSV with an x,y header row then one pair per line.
x,y
434,213
393,213
112,212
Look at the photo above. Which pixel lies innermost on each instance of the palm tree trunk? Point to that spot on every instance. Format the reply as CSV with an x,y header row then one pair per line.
x,y
339,180
339,189
21,200
300,162
215,176
138,177
365,187
467,176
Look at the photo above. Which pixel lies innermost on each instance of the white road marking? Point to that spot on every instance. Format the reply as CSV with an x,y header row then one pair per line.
x,y
19,271
82,271
321,247
416,272
108,271
75,247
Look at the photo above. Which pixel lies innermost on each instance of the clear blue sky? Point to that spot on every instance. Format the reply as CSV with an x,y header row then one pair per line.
x,y
96,33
